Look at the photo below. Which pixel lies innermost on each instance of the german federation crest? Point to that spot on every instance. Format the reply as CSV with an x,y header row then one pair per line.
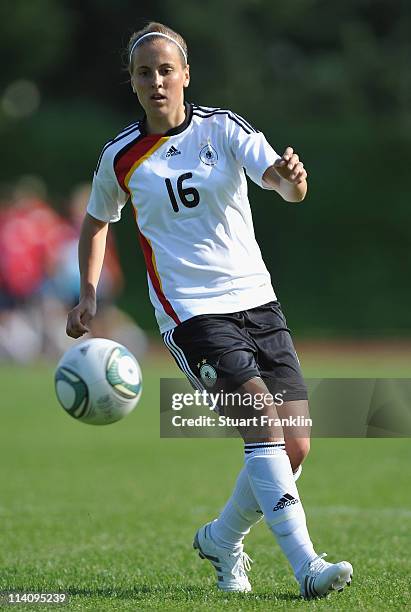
x,y
208,374
208,155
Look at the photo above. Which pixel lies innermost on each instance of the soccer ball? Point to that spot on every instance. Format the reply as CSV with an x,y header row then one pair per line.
x,y
98,381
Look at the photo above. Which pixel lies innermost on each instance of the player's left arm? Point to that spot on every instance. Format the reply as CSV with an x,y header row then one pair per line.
x,y
287,176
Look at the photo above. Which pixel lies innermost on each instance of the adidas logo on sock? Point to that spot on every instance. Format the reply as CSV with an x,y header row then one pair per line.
x,y
172,151
286,500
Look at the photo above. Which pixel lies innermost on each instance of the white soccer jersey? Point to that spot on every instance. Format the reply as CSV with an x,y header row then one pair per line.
x,y
189,193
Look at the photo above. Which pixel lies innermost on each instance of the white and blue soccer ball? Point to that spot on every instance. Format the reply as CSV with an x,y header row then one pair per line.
x,y
98,381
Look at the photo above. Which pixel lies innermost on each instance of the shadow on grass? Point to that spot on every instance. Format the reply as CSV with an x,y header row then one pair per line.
x,y
190,592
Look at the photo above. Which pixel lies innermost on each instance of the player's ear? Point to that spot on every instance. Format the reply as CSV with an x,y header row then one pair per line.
x,y
186,76
132,85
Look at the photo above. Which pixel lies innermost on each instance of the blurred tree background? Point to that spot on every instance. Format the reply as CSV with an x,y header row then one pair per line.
x,y
332,79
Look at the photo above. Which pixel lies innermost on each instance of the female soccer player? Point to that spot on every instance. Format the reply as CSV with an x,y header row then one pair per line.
x,y
183,167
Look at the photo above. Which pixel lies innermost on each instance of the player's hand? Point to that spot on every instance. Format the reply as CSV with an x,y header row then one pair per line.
x,y
79,318
290,168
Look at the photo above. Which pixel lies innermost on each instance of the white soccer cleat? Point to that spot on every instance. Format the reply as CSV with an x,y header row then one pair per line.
x,y
231,567
321,577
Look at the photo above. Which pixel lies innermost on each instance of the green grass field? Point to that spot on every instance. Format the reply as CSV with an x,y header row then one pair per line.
x,y
108,514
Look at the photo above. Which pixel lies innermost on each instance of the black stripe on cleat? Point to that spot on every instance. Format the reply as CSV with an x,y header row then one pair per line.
x,y
305,587
211,558
196,546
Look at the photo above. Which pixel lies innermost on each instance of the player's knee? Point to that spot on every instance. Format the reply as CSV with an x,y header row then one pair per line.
x,y
302,449
263,425
297,450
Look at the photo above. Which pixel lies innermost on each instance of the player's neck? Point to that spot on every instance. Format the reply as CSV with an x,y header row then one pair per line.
x,y
161,124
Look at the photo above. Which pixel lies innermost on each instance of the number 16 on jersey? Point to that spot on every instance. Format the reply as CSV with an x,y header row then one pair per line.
x,y
189,196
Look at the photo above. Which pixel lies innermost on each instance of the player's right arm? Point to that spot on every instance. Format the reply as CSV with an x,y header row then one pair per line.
x,y
92,246
105,204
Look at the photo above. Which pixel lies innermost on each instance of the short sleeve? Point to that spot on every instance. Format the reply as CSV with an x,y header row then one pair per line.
x,y
250,148
107,198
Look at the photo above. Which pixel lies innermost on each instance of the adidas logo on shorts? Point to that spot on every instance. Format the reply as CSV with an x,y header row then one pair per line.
x,y
286,500
172,151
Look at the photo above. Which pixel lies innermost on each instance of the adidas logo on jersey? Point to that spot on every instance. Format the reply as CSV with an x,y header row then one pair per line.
x,y
172,151
284,501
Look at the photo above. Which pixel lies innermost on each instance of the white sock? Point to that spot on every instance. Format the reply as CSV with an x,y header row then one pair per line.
x,y
271,479
239,514
294,540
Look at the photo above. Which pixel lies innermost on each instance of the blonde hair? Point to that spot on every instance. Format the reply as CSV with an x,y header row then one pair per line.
x,y
154,26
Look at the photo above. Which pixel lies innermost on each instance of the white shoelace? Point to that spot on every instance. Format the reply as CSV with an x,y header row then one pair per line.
x,y
242,565
317,564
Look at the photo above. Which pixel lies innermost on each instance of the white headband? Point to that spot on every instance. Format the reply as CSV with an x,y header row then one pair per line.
x,y
138,41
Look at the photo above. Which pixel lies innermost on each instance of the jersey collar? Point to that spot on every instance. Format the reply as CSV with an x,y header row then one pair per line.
x,y
176,130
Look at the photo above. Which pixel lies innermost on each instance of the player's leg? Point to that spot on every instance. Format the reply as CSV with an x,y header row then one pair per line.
x,y
271,479
219,541
270,469
280,369
242,510
216,340
269,466
270,474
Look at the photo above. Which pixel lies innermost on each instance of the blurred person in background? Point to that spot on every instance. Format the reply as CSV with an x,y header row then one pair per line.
x,y
31,233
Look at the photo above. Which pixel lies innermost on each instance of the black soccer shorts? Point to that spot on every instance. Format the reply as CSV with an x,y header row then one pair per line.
x,y
220,352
